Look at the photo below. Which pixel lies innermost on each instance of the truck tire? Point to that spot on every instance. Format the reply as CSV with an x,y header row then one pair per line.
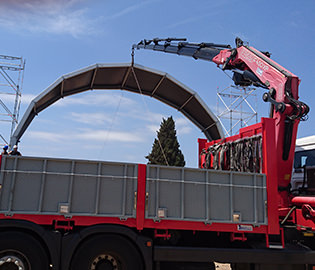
x,y
107,252
21,251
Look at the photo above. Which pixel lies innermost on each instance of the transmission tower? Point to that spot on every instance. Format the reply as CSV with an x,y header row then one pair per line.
x,y
11,81
235,109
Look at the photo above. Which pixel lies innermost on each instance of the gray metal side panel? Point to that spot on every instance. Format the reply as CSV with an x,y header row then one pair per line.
x,y
206,195
42,185
46,186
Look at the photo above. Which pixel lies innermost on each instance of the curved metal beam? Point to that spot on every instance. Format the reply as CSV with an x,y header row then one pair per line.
x,y
129,77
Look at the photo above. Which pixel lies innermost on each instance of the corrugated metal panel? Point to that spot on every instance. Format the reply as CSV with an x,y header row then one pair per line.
x,y
49,186
206,195
134,78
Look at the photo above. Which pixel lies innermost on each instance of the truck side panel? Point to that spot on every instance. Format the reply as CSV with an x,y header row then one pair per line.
x,y
54,186
206,195
75,188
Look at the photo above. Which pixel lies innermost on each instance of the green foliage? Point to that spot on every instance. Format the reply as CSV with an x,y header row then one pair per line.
x,y
169,143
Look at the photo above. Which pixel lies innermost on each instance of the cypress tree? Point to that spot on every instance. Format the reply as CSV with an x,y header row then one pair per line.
x,y
168,140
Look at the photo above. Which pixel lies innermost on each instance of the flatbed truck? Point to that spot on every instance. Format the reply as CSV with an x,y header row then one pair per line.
x,y
237,207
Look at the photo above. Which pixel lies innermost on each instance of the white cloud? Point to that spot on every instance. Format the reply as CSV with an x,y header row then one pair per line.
x,y
130,9
27,98
10,98
91,118
183,126
136,113
97,98
87,135
103,135
70,17
153,128
46,136
48,16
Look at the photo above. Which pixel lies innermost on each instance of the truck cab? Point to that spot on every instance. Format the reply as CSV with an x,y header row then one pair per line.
x,y
304,156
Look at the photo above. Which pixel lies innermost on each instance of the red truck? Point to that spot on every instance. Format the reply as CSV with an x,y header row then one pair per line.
x,y
237,207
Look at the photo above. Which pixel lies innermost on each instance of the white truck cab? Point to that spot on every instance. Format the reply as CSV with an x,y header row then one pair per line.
x,y
304,156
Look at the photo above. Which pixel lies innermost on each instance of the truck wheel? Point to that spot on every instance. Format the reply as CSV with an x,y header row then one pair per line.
x,y
107,252
19,251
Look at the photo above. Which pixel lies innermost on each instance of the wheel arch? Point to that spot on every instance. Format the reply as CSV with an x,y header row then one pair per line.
x,y
50,241
72,242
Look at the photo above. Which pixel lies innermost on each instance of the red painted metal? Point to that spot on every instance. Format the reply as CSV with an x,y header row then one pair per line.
x,y
267,241
270,169
66,225
277,170
266,128
238,237
275,77
249,131
164,234
270,163
302,222
201,145
141,195
282,241
300,200
200,226
308,212
77,220
131,222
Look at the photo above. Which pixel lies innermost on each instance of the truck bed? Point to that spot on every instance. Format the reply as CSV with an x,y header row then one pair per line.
x,y
50,186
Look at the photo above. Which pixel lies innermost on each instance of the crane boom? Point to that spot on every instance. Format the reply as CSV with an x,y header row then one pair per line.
x,y
252,67
204,51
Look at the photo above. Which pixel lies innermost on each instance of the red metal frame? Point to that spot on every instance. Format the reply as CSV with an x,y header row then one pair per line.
x,y
201,146
303,224
238,237
164,234
281,239
141,195
279,80
249,131
140,222
132,222
270,164
266,128
270,167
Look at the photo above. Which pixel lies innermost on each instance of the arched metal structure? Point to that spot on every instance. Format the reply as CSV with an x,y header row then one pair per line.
x,y
130,77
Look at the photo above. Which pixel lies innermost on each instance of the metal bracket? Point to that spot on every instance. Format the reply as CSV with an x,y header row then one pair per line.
x,y
279,106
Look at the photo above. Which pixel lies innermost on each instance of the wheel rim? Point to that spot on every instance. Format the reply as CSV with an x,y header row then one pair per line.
x,y
13,260
104,262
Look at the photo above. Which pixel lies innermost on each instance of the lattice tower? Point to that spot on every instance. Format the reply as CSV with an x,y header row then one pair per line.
x,y
11,81
236,108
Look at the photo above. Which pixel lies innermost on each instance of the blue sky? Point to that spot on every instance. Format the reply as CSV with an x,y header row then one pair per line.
x,y
57,37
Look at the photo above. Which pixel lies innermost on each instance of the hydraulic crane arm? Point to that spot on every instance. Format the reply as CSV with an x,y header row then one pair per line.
x,y
204,51
252,67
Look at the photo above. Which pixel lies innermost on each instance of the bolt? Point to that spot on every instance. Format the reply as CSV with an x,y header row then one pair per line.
x,y
280,107
265,97
8,260
2,262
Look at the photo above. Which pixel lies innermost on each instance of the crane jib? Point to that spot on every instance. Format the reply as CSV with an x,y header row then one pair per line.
x,y
202,51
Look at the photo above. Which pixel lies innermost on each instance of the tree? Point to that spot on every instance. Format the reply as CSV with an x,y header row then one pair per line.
x,y
166,140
